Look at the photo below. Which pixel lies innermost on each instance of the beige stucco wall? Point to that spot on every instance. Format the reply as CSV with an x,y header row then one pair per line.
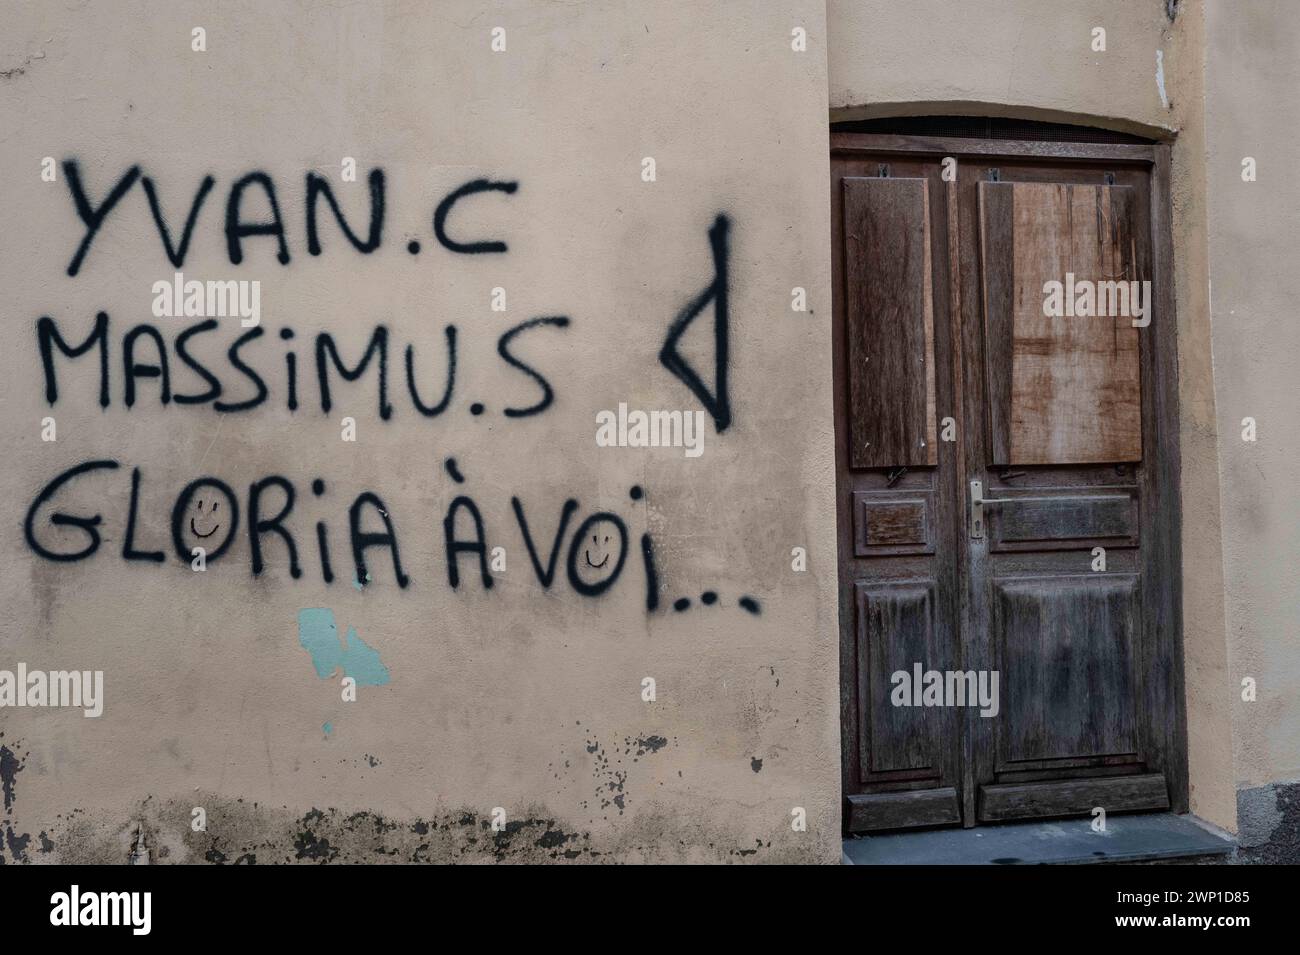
x,y
525,697
1034,60
519,697
1027,58
1205,654
1251,111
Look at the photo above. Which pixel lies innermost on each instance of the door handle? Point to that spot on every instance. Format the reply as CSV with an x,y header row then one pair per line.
x,y
978,502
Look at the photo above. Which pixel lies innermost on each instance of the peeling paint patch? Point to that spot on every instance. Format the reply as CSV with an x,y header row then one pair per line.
x,y
319,636
16,64
17,844
310,847
10,765
1160,78
246,833
650,744
8,73
12,841
365,761
610,771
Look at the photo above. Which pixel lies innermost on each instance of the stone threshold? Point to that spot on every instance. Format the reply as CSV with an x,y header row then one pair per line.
x,y
1128,838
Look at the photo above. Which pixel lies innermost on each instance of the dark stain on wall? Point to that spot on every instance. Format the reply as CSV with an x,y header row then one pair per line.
x,y
244,833
324,836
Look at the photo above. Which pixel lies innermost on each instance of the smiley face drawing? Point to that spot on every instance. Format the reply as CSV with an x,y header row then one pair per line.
x,y
206,515
597,553
205,518
598,545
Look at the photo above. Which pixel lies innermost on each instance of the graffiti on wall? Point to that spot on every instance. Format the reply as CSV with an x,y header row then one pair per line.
x,y
140,365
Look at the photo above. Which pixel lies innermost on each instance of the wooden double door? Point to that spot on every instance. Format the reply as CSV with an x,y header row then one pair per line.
x,y
1007,481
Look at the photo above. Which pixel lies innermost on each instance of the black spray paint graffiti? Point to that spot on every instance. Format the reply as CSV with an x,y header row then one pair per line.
x,y
237,229
718,401
253,385
206,513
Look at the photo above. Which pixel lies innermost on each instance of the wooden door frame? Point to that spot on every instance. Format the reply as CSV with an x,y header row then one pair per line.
x,y
1161,513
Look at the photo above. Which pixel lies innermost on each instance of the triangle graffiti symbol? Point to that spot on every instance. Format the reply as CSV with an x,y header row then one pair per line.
x,y
718,401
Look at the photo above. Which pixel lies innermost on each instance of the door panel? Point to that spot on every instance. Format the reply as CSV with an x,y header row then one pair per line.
x,y
896,628
903,810
1031,536
890,314
1064,518
1061,390
1076,797
886,523
1067,658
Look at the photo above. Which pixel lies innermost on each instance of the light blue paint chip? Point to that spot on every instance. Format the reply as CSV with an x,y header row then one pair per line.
x,y
362,663
319,636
